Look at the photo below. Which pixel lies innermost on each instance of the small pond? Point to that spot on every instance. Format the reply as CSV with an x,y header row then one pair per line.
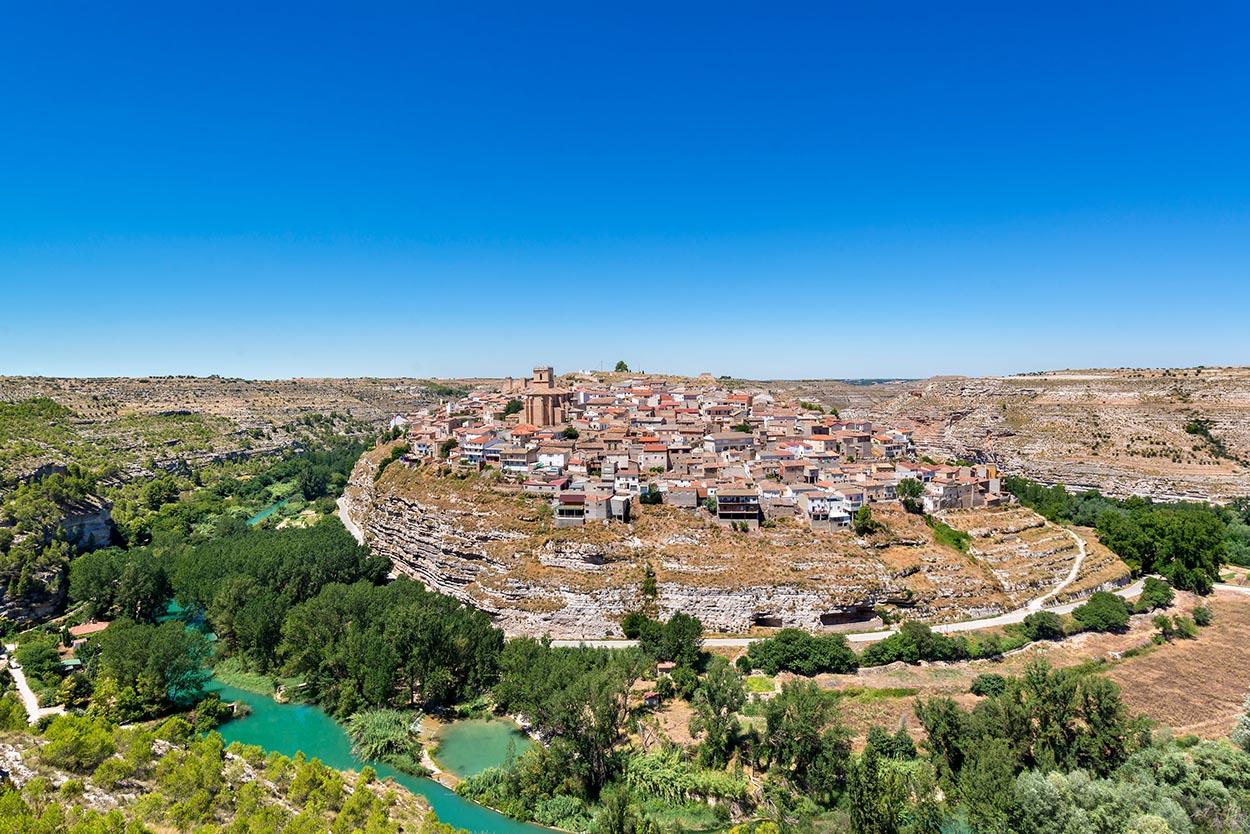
x,y
292,728
469,747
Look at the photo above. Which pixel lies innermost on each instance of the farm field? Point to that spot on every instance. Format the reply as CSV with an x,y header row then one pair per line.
x,y
1157,681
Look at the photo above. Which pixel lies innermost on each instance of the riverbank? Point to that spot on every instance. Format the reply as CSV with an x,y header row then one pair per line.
x,y
302,728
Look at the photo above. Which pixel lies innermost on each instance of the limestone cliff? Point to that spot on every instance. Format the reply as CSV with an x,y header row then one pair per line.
x,y
493,547
1164,433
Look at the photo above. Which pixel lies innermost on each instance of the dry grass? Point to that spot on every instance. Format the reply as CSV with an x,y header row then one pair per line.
x,y
1017,555
1195,686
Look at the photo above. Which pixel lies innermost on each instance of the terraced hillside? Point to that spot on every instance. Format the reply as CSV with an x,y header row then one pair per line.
x,y
1163,433
488,543
130,422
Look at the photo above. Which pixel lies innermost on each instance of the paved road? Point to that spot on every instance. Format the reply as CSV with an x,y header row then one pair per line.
x,y
1009,618
33,711
346,518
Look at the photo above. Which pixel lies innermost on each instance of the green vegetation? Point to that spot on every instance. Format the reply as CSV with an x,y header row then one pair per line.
x,y
679,639
948,536
34,549
863,523
397,451
621,367
1103,612
388,736
1043,625
909,492
1155,594
914,642
793,650
189,783
1184,542
1201,428
141,670
363,645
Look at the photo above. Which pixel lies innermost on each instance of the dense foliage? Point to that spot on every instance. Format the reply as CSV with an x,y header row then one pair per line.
x,y
793,650
364,645
1184,542
166,779
388,736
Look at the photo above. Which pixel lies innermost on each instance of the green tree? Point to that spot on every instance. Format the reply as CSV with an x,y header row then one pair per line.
x,y
39,658
1103,612
796,720
514,406
1043,625
986,786
863,523
715,703
621,367
77,743
909,492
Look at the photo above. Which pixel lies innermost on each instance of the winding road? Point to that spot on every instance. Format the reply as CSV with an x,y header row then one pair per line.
x,y
33,711
1009,618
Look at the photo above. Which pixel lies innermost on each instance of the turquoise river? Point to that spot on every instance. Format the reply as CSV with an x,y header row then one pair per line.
x,y
295,728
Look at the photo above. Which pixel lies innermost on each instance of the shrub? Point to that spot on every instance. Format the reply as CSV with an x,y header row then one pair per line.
x,y
1184,627
632,624
76,743
1202,616
386,735
1163,623
863,522
1155,594
685,682
988,685
1104,612
1043,625
912,643
948,536
794,650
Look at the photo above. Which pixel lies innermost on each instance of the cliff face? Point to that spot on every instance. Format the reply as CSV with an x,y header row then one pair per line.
x,y
491,548
1166,434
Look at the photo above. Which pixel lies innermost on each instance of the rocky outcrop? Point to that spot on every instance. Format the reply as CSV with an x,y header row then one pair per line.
x,y
579,584
1123,432
88,523
600,585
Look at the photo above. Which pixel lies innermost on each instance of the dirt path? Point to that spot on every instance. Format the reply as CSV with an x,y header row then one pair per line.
x,y
998,621
1036,605
346,518
33,711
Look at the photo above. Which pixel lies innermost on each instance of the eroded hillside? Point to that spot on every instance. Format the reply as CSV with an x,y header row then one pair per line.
x,y
1162,433
494,546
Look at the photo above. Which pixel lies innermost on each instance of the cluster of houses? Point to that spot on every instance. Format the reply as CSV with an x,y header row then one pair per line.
x,y
595,448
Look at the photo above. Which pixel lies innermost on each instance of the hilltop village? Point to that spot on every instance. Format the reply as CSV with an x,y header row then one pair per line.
x,y
594,446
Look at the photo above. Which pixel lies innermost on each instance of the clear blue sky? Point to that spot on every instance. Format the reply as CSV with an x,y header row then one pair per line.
x,y
866,189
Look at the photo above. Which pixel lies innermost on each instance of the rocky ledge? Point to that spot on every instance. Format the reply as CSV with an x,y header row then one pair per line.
x,y
491,548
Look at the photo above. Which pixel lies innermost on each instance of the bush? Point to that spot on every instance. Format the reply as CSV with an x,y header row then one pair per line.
x,y
1184,627
1155,594
988,685
746,667
912,643
685,682
1043,625
1104,612
76,743
793,650
946,535
632,624
1202,616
